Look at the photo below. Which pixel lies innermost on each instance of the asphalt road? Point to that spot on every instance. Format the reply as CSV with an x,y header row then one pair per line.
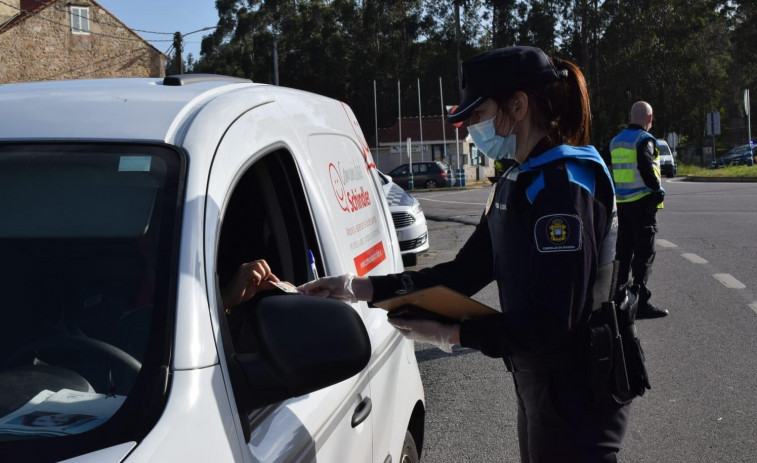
x,y
702,358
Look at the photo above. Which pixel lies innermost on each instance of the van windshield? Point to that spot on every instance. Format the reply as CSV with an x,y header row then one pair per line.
x,y
665,150
87,245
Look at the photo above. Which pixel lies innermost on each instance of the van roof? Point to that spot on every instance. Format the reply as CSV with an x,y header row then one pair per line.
x,y
146,109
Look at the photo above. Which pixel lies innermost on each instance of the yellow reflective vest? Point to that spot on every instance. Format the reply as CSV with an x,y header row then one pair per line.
x,y
629,186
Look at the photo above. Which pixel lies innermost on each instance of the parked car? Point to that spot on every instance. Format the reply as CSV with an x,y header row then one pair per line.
x,y
126,205
433,174
742,155
409,220
668,165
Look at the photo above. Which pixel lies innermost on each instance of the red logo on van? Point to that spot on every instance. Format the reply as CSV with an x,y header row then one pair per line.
x,y
349,201
370,259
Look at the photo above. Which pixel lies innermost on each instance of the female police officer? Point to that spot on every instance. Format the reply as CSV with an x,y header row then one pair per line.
x,y
545,232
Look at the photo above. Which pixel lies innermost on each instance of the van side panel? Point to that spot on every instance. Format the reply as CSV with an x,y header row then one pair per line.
x,y
366,241
196,426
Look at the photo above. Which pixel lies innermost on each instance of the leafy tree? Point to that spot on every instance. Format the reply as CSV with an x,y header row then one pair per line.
x,y
503,23
685,57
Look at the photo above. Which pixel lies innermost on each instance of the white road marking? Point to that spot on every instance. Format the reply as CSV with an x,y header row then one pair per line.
x,y
729,281
694,259
665,243
753,306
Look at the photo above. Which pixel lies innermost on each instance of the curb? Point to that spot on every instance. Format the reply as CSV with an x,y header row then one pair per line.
x,y
692,178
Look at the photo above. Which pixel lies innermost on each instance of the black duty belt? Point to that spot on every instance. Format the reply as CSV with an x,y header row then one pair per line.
x,y
553,362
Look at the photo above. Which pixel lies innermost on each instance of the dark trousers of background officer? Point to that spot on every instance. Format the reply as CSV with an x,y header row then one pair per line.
x,y
635,248
557,423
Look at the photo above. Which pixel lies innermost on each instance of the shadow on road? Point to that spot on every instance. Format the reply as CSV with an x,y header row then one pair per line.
x,y
432,353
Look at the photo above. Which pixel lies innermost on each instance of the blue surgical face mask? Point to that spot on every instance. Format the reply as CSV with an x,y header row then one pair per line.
x,y
485,137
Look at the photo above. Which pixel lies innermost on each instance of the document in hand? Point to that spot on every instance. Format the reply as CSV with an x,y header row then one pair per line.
x,y
439,300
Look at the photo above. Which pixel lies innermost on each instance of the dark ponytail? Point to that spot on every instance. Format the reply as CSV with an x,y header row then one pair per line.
x,y
562,107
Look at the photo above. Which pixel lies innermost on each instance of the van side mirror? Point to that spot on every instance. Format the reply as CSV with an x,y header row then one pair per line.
x,y
305,343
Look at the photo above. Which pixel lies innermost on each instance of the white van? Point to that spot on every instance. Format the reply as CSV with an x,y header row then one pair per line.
x,y
126,205
668,166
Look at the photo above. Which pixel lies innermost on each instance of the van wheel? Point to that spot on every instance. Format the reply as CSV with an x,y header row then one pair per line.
x,y
409,451
431,184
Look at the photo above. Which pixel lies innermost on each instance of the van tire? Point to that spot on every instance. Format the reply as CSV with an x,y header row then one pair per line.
x,y
409,451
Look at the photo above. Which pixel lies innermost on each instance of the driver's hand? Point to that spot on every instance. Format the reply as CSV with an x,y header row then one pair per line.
x,y
249,278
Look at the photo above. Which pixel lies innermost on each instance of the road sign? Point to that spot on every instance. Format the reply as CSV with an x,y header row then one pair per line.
x,y
748,116
672,140
713,123
746,101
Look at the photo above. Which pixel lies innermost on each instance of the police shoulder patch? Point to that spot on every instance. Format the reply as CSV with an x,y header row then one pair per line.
x,y
558,232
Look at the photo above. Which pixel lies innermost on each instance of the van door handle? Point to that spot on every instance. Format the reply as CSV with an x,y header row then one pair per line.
x,y
361,412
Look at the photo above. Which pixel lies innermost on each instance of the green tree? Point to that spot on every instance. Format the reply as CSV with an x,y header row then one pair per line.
x,y
685,57
503,23
671,53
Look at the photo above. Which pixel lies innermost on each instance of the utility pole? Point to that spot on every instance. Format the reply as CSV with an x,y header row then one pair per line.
x,y
444,132
179,47
747,106
457,47
275,59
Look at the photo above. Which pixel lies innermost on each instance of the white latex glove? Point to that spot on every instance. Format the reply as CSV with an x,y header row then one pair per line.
x,y
337,287
427,331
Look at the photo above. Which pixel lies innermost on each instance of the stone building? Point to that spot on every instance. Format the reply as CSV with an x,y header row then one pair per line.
x,y
70,39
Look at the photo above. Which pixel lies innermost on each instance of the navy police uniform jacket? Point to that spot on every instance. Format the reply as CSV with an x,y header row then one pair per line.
x,y
540,239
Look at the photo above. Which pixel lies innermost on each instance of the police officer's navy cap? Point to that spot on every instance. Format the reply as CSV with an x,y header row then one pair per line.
x,y
499,72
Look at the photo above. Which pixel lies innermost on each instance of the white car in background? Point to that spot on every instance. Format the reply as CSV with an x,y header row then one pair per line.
x,y
409,220
668,165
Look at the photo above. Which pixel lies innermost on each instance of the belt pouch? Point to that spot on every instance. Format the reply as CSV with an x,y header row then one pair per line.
x,y
601,355
637,371
621,389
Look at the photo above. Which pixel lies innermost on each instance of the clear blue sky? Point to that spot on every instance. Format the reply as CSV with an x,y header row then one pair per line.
x,y
166,16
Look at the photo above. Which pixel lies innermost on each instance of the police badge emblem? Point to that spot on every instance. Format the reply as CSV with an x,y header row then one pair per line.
x,y
558,232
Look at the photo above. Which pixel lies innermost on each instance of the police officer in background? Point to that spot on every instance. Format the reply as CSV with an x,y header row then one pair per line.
x,y
636,171
546,231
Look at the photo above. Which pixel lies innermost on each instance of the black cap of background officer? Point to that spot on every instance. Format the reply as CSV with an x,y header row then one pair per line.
x,y
500,72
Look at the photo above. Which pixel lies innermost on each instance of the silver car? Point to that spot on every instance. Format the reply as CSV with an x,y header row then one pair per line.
x,y
409,220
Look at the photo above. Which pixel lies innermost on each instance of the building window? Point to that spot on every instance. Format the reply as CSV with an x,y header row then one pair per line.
x,y
79,20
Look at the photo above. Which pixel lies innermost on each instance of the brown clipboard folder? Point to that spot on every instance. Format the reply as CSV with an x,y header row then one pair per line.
x,y
440,300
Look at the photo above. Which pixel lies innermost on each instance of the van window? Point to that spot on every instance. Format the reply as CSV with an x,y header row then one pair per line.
x,y
88,245
267,217
664,150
